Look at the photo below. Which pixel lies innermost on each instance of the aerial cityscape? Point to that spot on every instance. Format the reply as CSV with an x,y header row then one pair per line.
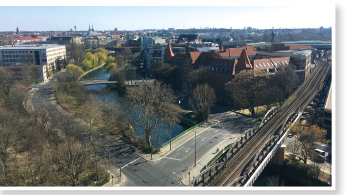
x,y
153,97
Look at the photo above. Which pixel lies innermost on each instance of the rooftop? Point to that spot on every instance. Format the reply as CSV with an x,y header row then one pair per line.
x,y
40,46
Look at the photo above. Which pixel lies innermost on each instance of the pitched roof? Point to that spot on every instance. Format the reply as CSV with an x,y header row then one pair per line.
x,y
203,57
236,51
300,47
280,61
261,64
243,60
220,65
168,51
195,55
27,38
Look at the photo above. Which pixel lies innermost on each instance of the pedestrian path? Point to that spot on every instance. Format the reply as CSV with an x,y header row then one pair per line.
x,y
177,143
194,172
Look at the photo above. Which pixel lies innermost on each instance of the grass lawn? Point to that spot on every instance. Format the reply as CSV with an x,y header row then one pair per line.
x,y
262,110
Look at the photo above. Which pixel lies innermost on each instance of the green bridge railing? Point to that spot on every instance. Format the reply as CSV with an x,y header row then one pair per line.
x,y
219,154
183,133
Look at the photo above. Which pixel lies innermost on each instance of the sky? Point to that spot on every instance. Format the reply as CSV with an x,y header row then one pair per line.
x,y
237,16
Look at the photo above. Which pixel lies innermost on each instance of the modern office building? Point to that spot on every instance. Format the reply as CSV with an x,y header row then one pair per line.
x,y
45,54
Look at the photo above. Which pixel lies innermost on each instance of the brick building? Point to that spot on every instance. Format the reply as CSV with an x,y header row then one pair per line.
x,y
222,67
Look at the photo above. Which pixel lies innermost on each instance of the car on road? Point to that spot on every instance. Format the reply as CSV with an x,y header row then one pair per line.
x,y
319,156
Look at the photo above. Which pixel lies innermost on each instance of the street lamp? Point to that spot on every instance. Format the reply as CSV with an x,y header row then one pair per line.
x,y
195,148
120,170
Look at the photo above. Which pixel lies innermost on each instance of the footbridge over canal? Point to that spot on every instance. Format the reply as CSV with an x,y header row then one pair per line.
x,y
107,82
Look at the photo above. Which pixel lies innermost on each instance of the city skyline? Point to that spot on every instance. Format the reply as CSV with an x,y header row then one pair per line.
x,y
164,17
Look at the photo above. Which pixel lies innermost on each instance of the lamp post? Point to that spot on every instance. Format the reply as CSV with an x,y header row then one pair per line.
x,y
120,170
195,148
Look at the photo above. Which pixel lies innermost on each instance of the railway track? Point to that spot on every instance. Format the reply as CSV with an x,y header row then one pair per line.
x,y
297,101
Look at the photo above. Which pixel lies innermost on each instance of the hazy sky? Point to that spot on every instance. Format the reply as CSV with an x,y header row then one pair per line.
x,y
43,18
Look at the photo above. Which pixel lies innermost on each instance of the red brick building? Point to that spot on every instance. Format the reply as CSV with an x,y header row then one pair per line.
x,y
220,69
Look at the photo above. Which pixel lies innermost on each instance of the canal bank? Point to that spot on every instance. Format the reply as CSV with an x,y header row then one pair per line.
x,y
102,92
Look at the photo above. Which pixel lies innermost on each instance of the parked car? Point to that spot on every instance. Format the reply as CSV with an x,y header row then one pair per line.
x,y
319,156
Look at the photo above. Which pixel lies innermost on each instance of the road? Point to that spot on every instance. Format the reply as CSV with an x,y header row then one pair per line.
x,y
140,172
168,170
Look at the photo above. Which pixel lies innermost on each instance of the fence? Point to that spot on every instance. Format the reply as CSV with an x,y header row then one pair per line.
x,y
219,154
183,133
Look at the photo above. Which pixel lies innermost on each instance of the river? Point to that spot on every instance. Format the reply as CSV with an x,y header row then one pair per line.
x,y
101,73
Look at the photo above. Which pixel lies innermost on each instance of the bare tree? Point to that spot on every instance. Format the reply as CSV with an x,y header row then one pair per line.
x,y
8,133
245,89
198,76
27,59
275,181
30,74
155,106
73,161
6,80
202,99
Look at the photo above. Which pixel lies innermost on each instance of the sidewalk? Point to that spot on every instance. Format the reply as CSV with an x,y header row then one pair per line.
x,y
175,144
115,181
194,172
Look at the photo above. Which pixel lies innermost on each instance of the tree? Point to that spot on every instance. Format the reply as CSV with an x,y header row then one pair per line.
x,y
6,80
73,72
30,74
27,59
154,106
127,54
306,138
77,53
73,161
91,113
245,89
17,99
49,71
8,131
202,99
285,79
275,181
93,59
109,60
102,57
167,74
120,61
86,64
118,75
198,76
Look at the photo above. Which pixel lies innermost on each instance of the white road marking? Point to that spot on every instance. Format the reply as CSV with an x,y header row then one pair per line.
x,y
173,158
131,162
186,151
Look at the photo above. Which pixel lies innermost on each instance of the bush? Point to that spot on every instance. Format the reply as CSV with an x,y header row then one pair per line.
x,y
149,149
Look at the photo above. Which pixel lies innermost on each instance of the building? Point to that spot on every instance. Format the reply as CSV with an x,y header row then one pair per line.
x,y
301,59
12,55
24,40
91,43
63,40
221,69
91,31
189,38
160,53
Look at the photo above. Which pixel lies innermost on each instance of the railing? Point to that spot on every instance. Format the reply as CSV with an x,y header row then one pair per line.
x,y
218,155
183,133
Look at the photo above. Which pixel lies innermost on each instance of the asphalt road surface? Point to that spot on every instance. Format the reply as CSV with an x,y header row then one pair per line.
x,y
168,170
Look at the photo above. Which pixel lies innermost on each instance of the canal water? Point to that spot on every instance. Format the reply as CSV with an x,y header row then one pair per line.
x,y
120,99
